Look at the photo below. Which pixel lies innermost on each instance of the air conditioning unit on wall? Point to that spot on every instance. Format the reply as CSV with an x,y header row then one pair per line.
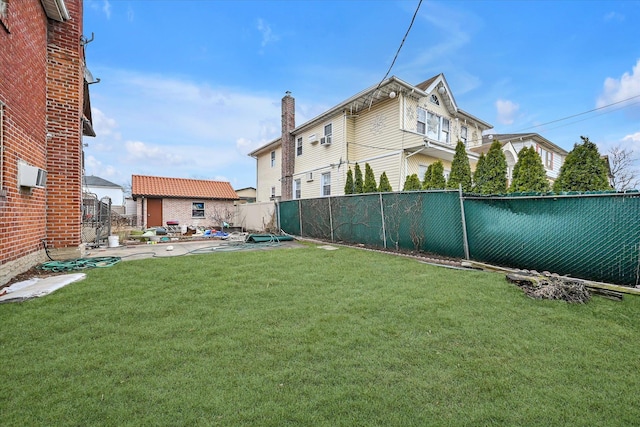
x,y
309,176
325,140
31,176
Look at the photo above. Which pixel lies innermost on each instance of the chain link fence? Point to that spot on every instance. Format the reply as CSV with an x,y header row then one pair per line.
x,y
96,219
591,236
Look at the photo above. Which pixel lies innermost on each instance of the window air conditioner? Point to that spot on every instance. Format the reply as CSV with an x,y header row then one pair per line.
x,y
313,139
325,140
309,176
31,176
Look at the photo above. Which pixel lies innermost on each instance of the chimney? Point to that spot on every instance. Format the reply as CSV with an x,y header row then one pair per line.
x,y
288,146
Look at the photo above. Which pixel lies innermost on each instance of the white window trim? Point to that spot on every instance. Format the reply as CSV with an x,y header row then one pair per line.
x,y
273,159
297,188
325,181
299,146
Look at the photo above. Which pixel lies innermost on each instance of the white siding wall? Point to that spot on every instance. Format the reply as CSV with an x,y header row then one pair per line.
x,y
317,158
268,176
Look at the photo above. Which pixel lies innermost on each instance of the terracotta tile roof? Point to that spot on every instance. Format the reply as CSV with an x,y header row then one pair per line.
x,y
158,186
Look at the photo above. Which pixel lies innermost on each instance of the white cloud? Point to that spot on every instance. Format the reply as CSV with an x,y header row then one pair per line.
x,y
635,137
506,111
103,125
618,90
106,8
267,34
614,16
139,151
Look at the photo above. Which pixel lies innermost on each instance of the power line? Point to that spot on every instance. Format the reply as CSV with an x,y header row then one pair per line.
x,y
579,114
401,43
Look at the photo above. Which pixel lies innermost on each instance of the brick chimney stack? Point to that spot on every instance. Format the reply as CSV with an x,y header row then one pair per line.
x,y
288,146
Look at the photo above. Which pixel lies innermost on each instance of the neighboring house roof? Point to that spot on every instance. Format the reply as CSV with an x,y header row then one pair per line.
x,y
378,93
96,181
505,138
246,188
157,186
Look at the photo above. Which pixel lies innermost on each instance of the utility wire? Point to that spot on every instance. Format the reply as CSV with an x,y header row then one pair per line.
x,y
401,43
399,48
579,114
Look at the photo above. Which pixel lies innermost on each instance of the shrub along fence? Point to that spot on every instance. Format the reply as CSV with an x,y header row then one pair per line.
x,y
594,236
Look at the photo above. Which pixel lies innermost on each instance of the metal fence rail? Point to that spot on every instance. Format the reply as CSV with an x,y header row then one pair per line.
x,y
591,236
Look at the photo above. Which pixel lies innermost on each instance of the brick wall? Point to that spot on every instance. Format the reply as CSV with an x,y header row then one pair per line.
x,y
288,146
181,210
65,67
32,48
23,56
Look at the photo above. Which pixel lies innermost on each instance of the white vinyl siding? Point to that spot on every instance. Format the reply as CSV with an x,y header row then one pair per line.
x,y
267,176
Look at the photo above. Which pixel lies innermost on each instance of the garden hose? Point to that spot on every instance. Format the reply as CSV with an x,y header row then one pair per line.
x,y
79,264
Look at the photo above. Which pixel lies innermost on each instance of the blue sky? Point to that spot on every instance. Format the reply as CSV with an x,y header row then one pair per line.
x,y
188,88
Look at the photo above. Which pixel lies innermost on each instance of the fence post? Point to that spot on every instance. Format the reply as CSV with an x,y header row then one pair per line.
x,y
300,215
464,224
330,219
384,231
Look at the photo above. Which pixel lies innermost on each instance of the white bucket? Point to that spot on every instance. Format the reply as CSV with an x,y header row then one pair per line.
x,y
114,241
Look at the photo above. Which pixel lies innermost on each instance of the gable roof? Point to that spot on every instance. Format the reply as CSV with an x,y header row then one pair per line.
x,y
378,93
505,138
158,186
96,181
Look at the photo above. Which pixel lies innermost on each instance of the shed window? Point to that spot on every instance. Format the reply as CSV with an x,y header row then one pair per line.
x,y
197,210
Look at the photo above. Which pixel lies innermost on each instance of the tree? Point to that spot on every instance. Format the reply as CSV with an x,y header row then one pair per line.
x,y
412,183
358,186
384,186
624,174
434,177
460,169
491,176
529,173
426,179
349,186
583,170
370,185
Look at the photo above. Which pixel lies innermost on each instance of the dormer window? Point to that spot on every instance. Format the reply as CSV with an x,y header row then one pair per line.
x,y
434,99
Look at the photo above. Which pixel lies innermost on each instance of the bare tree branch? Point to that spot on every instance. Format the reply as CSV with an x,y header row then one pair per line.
x,y
623,168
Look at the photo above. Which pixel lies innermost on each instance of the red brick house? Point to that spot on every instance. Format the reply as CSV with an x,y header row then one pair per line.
x,y
44,112
191,202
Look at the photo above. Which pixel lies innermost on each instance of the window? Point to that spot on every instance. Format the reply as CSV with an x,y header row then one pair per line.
x,y
326,139
326,184
297,183
444,137
546,156
328,130
422,169
197,210
422,121
273,192
299,147
434,99
273,159
433,126
463,134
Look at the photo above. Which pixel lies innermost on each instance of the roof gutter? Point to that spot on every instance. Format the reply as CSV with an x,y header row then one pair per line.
x,y
56,10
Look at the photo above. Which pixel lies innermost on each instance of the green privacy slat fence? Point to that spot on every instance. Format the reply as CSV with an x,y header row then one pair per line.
x,y
426,221
590,237
593,236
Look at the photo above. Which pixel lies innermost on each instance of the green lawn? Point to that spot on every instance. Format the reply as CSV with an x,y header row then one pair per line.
x,y
317,338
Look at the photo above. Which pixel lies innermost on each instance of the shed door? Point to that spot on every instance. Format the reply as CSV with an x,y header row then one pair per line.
x,y
154,212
